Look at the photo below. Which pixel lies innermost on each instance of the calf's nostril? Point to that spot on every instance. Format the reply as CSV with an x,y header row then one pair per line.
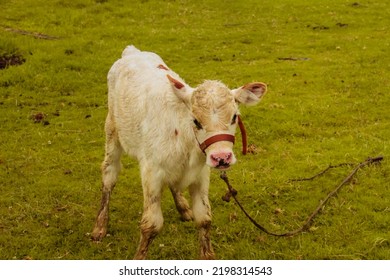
x,y
222,159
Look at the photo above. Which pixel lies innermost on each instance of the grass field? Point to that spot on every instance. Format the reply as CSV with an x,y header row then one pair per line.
x,y
327,66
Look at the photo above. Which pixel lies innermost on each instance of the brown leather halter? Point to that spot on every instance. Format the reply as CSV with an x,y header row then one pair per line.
x,y
243,136
219,137
226,137
216,138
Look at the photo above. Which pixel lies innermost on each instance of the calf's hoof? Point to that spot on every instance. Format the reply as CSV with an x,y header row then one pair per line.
x,y
186,216
98,234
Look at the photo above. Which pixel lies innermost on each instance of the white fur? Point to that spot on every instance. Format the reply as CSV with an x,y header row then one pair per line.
x,y
150,117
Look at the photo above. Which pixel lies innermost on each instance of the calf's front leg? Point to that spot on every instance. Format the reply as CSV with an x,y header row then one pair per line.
x,y
202,214
152,218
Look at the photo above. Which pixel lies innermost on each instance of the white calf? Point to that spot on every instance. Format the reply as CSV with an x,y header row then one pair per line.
x,y
176,133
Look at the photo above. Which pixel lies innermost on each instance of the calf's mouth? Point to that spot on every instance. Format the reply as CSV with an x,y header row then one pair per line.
x,y
222,165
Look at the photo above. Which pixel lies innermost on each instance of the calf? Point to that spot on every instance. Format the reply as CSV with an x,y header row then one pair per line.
x,y
176,133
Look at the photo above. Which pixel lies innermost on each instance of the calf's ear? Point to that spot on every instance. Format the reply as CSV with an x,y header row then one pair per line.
x,y
181,90
250,94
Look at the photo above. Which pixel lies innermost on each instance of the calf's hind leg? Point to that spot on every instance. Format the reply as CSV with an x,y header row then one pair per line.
x,y
110,170
182,205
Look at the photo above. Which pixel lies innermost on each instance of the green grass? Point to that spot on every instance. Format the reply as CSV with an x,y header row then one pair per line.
x,y
329,106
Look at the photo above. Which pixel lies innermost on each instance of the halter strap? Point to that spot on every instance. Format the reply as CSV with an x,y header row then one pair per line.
x,y
243,136
214,139
227,137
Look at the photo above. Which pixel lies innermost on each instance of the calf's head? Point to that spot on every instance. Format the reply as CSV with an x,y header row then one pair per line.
x,y
214,108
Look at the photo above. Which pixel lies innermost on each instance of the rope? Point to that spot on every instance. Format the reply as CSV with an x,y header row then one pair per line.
x,y
305,227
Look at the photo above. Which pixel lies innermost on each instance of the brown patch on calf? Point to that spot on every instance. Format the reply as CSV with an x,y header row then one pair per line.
x,y
175,82
162,67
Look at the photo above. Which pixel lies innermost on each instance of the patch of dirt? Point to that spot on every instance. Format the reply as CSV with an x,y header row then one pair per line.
x,y
40,118
11,60
36,35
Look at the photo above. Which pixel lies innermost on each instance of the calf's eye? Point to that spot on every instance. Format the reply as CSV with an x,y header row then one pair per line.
x,y
197,124
234,119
